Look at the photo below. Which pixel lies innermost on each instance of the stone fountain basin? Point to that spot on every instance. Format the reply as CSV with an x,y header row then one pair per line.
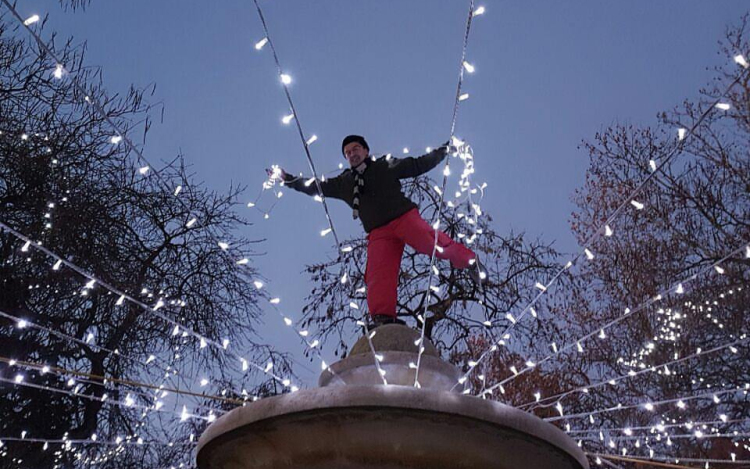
x,y
384,427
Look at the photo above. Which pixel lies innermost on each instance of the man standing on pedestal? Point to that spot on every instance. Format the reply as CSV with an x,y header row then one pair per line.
x,y
372,188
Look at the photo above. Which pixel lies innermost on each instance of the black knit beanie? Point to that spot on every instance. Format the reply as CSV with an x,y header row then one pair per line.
x,y
354,138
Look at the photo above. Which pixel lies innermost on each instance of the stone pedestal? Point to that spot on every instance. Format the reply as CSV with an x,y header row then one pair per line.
x,y
354,421
397,352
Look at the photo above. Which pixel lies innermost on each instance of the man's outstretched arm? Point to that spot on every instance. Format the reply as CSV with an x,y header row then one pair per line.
x,y
413,167
331,187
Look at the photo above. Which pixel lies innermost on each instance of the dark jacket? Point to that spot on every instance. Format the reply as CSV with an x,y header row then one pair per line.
x,y
382,199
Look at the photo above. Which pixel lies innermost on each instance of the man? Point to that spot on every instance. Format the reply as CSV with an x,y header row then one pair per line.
x,y
372,188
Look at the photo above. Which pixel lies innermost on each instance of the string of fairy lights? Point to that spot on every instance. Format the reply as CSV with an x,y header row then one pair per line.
x,y
179,328
604,229
642,368
148,168
677,288
294,116
463,66
60,71
656,457
276,172
683,135
731,346
166,370
120,136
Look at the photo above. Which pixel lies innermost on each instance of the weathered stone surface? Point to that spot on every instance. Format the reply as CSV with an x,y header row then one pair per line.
x,y
394,345
393,338
387,427
360,370
353,421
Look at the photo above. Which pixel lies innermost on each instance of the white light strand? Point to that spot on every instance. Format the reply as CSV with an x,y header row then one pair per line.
x,y
700,352
286,79
677,459
648,405
129,298
676,150
106,401
120,135
470,68
70,338
370,334
108,384
660,427
629,312
632,374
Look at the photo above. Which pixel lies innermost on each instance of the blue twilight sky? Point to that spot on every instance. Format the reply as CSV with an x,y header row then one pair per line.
x,y
548,74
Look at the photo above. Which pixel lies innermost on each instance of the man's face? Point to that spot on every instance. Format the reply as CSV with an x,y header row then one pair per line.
x,y
355,154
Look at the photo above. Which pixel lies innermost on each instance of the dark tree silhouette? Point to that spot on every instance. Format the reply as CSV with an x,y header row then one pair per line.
x,y
68,187
695,212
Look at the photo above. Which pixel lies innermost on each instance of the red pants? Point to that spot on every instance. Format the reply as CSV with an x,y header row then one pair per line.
x,y
385,246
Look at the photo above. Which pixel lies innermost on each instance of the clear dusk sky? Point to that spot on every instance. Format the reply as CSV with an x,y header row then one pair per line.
x,y
548,74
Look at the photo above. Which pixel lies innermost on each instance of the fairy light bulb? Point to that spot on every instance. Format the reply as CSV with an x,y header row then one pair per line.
x,y
723,106
58,73
287,119
143,170
312,139
469,67
540,286
636,204
479,11
259,45
463,97
325,232
31,20
589,254
285,79
740,59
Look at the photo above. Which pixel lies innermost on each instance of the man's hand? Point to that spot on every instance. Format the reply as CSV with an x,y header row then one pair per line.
x,y
277,173
446,148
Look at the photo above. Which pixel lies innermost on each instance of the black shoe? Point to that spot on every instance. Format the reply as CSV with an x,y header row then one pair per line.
x,y
478,273
382,319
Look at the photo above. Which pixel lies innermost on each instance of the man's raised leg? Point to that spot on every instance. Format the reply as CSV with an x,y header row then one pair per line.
x,y
418,234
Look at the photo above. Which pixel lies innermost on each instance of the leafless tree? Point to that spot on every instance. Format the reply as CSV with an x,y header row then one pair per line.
x,y
696,211
67,186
